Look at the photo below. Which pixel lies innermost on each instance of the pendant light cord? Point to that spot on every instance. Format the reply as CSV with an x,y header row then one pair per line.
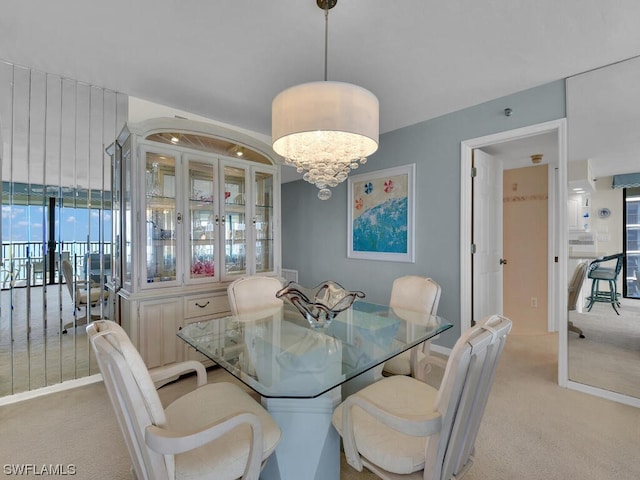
x,y
326,36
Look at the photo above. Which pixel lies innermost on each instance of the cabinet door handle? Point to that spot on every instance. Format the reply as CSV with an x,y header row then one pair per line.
x,y
217,219
202,306
179,218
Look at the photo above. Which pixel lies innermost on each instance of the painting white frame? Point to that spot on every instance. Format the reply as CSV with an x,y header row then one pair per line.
x,y
403,185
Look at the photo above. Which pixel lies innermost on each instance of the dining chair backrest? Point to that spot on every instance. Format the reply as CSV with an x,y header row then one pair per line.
x,y
463,395
579,274
67,273
415,293
254,292
133,395
412,294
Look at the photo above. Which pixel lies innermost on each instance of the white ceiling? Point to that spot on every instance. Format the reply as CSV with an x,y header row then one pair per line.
x,y
227,59
517,153
603,114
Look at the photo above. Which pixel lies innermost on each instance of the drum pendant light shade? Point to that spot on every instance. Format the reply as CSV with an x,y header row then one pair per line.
x,y
332,108
325,128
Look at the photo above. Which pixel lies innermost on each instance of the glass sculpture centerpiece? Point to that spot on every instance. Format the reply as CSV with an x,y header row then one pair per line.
x,y
320,304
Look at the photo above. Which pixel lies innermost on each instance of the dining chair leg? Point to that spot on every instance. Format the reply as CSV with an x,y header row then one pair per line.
x,y
613,289
592,298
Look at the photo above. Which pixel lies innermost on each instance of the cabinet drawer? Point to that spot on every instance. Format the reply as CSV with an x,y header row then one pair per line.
x,y
205,305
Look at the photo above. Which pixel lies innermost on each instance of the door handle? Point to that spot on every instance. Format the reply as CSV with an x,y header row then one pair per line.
x,y
503,261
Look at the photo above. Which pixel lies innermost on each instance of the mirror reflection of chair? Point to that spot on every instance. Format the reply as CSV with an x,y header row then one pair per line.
x,y
37,271
8,277
414,294
400,427
97,266
577,280
605,269
63,256
215,431
83,295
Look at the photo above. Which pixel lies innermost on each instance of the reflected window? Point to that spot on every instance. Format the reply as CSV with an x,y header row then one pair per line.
x,y
632,241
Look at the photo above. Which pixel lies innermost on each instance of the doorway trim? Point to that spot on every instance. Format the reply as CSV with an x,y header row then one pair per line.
x,y
557,232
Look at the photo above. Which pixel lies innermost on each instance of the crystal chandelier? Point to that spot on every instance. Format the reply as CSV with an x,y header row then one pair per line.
x,y
325,129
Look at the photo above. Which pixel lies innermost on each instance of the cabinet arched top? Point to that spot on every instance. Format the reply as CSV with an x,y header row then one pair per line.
x,y
205,137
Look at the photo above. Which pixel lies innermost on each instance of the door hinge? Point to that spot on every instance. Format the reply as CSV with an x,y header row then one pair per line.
x,y
473,248
474,172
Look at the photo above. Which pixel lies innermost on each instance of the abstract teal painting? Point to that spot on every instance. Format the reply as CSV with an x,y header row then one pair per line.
x,y
381,215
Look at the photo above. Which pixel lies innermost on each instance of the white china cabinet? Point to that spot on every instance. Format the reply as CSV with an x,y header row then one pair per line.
x,y
196,206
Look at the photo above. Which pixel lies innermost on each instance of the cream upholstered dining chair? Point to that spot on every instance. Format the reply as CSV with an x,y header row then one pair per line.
x,y
575,285
416,294
83,295
400,427
215,431
252,293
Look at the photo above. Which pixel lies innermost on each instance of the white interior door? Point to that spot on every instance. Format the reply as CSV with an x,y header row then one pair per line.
x,y
487,235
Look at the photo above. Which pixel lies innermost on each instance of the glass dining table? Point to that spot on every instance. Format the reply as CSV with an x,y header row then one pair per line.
x,y
303,373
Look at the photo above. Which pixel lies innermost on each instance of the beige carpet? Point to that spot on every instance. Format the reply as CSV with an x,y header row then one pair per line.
x,y
532,428
609,355
35,354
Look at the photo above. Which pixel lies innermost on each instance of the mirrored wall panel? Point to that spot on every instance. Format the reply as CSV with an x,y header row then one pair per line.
x,y
603,121
56,223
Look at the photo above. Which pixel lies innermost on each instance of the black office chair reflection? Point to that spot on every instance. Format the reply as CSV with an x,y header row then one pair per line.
x,y
608,273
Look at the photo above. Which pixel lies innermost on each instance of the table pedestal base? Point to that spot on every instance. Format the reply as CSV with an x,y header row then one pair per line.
x,y
310,447
361,381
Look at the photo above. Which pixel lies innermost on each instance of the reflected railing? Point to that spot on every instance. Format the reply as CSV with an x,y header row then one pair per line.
x,y
40,342
26,264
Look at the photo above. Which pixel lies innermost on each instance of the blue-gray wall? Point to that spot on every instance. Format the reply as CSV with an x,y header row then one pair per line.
x,y
314,232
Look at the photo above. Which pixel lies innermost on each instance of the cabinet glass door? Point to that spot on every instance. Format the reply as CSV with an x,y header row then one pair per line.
x,y
116,219
127,215
203,219
263,221
234,220
161,218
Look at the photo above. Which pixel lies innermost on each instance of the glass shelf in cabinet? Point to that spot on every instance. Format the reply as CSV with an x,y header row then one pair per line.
x,y
159,199
202,201
235,206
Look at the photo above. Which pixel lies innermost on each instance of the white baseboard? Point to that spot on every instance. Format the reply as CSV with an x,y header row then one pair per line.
x,y
58,387
599,392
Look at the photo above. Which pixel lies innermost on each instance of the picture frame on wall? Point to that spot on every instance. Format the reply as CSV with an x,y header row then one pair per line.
x,y
381,215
